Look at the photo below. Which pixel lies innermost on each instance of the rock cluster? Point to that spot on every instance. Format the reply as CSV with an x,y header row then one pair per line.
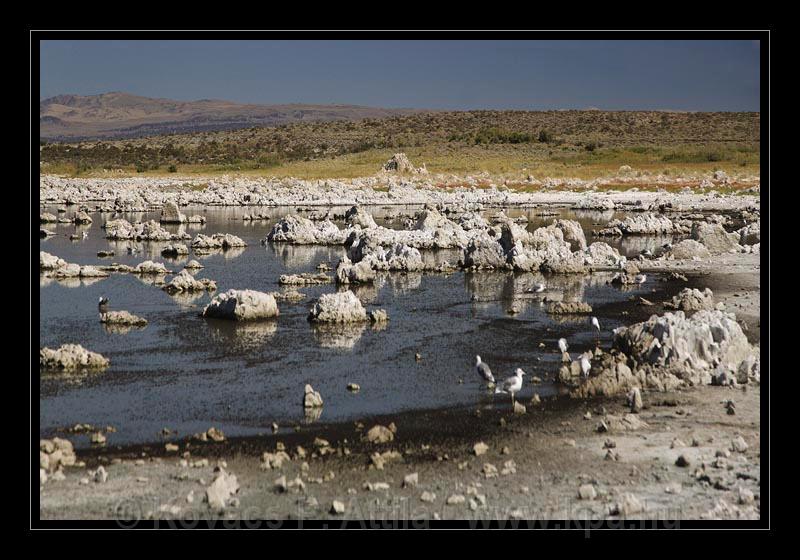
x,y
690,347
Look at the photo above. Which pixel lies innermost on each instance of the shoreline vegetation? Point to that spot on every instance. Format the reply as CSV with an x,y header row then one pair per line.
x,y
508,144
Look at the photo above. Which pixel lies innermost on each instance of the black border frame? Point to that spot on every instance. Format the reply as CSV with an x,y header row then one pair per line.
x,y
586,527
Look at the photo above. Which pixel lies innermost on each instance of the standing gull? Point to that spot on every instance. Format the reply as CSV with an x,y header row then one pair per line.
x,y
102,304
596,323
537,288
484,371
562,345
512,385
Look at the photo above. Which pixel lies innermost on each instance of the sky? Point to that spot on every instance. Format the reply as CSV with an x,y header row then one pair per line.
x,y
444,74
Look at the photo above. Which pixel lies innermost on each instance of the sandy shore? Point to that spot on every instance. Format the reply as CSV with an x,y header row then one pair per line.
x,y
542,459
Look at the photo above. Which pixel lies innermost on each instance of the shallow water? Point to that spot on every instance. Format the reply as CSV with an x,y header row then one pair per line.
x,y
188,373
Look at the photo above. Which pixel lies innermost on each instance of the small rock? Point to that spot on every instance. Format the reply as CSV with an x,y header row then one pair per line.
x,y
682,461
337,508
411,480
480,448
428,497
455,499
587,492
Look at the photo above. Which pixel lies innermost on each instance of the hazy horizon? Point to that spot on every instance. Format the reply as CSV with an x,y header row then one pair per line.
x,y
438,75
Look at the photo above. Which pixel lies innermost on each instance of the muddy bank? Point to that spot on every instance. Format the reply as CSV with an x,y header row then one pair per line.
x,y
535,466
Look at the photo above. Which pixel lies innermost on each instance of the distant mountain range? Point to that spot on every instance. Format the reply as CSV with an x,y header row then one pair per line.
x,y
122,115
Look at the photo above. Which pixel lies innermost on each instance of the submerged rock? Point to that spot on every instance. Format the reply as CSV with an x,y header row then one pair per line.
x,y
569,307
307,278
185,282
170,214
357,216
204,243
242,305
145,231
122,318
342,307
311,398
69,357
175,250
50,262
358,273
150,267
302,231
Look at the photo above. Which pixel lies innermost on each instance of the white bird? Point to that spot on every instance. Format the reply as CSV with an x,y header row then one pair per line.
x,y
85,235
586,365
562,345
511,385
483,370
596,323
640,278
538,288
102,304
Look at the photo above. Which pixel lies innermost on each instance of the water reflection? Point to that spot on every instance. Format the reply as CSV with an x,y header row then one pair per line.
x,y
305,257
343,336
241,335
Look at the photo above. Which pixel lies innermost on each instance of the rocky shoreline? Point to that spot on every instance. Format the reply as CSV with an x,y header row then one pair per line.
x,y
626,452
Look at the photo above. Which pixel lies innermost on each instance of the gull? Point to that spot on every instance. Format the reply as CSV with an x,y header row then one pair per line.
x,y
538,288
596,323
562,345
640,278
85,235
102,304
484,371
511,385
586,365
647,253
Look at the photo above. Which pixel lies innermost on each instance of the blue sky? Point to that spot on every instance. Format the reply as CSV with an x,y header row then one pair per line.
x,y
676,75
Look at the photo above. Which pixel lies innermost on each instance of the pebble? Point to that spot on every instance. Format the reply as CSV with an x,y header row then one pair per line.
x,y
427,497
